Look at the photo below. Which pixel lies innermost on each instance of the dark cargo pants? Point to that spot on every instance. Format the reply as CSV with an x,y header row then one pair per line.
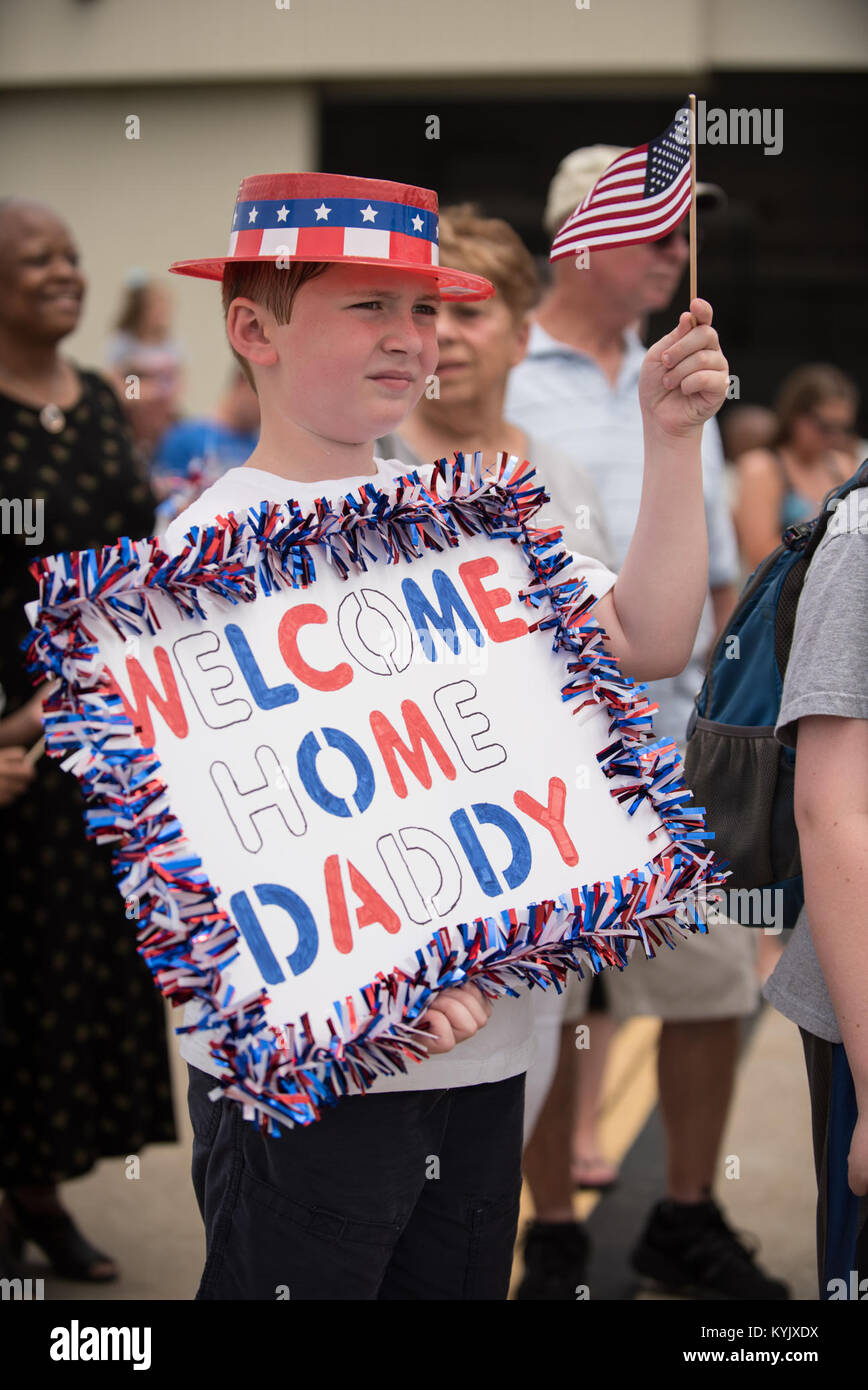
x,y
402,1195
842,1217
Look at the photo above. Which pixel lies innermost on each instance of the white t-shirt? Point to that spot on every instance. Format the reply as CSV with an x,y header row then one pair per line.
x,y
503,1048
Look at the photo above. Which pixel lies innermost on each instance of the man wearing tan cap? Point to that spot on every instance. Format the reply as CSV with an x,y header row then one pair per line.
x,y
577,390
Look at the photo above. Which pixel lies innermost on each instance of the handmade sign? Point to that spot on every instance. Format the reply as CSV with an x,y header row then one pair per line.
x,y
350,758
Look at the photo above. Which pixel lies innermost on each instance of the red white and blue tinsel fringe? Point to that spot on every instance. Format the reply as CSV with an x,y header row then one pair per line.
x,y
187,940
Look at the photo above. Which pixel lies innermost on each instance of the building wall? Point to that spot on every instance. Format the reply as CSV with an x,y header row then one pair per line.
x,y
107,40
96,41
165,197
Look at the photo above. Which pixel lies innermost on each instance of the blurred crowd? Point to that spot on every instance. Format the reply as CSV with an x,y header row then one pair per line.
x,y
547,369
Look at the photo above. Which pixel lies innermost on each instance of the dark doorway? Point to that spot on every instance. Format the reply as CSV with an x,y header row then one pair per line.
x,y
784,265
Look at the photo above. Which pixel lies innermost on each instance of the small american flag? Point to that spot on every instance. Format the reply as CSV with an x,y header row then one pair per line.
x,y
642,195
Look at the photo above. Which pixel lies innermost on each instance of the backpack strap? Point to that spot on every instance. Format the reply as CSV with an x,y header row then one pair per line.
x,y
806,537
835,494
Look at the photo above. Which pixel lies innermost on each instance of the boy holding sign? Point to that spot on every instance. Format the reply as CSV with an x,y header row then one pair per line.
x,y
330,290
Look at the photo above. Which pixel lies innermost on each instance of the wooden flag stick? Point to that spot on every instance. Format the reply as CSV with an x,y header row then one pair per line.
x,y
692,222
35,753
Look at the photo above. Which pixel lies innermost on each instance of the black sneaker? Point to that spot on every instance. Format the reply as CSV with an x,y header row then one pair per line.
x,y
555,1260
688,1248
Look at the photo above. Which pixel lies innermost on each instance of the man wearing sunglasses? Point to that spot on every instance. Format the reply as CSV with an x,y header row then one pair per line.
x,y
577,390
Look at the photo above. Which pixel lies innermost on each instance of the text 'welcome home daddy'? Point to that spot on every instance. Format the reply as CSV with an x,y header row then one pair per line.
x,y
359,762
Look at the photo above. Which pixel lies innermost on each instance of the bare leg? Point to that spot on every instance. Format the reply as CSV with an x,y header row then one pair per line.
x,y
547,1154
587,1160
696,1070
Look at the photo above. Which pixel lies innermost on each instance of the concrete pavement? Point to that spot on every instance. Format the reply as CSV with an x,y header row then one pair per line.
x,y
151,1224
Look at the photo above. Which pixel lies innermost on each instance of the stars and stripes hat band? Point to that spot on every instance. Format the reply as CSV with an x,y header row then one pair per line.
x,y
339,219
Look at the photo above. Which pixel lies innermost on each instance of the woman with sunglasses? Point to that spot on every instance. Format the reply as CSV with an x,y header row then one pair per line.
x,y
813,450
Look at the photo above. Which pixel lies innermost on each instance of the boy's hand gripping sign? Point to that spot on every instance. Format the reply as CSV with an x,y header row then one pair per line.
x,y
349,758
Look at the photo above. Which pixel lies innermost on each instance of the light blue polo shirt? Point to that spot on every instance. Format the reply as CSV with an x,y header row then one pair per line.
x,y
562,396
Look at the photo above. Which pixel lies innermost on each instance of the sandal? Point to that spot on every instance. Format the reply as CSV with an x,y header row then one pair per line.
x,y
594,1174
56,1234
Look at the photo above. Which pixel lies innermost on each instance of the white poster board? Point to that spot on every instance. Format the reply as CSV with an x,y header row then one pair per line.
x,y
375,782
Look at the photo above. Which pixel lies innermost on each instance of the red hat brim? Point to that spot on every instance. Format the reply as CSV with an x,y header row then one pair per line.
x,y
452,284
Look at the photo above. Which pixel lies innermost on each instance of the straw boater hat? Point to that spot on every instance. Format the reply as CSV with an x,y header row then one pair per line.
x,y
340,220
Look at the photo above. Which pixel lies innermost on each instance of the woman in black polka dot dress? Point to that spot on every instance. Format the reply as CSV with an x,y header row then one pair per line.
x,y
83,1055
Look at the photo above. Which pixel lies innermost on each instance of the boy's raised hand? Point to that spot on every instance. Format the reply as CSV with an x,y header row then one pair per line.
x,y
456,1015
685,375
